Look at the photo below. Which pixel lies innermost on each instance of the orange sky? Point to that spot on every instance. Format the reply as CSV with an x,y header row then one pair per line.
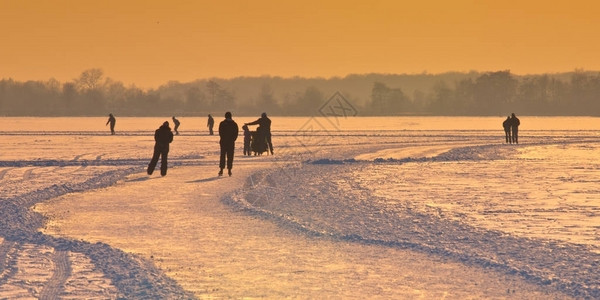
x,y
151,42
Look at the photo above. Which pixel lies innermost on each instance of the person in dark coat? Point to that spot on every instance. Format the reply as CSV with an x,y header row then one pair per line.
x,y
228,131
177,123
247,140
163,137
112,121
210,124
514,125
265,125
506,125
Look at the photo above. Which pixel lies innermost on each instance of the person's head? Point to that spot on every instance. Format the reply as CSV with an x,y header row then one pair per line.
x,y
173,118
228,115
264,115
209,115
110,115
245,128
165,124
513,115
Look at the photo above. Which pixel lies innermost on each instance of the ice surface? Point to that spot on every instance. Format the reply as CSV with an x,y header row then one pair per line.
x,y
444,188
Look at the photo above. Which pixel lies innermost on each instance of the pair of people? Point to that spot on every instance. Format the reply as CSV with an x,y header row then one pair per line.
x,y
511,129
163,136
258,141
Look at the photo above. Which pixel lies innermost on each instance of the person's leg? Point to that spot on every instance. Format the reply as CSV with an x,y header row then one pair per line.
x,y
163,163
516,136
222,159
153,161
269,142
230,158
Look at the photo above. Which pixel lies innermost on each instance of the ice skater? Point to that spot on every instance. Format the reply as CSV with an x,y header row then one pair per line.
x,y
111,121
265,125
162,137
506,125
514,125
176,123
228,131
247,140
210,124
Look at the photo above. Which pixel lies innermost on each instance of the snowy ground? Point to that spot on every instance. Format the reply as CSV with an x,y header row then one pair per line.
x,y
441,210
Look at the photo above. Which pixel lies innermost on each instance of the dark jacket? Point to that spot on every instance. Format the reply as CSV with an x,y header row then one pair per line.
x,y
228,131
514,122
506,124
264,123
163,137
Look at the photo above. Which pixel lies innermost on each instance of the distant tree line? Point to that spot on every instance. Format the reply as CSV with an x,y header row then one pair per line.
x,y
450,94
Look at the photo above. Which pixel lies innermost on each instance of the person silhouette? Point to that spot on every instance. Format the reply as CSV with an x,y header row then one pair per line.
x,y
514,125
210,124
265,125
176,122
111,121
247,140
506,125
162,137
228,132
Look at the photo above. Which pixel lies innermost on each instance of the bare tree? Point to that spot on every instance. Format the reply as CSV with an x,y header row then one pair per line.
x,y
89,79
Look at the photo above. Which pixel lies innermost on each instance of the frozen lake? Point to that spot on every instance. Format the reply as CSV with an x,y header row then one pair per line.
x,y
445,187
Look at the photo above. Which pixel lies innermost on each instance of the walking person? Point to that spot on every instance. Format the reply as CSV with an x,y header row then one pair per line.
x,y
514,125
228,131
265,124
162,137
506,125
210,124
176,122
111,121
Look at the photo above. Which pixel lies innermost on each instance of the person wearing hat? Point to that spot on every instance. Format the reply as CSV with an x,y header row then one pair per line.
x,y
228,131
162,137
265,125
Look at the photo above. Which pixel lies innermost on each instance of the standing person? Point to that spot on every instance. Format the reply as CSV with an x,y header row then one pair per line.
x,y
506,125
162,137
265,124
228,131
210,124
247,140
514,124
112,121
176,122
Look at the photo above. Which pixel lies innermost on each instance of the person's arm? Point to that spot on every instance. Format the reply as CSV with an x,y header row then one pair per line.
x,y
257,122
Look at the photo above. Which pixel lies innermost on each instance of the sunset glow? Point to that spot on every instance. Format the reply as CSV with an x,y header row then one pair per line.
x,y
149,43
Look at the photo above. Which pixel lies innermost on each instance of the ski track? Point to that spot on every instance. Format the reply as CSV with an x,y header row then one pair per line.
x,y
34,265
299,197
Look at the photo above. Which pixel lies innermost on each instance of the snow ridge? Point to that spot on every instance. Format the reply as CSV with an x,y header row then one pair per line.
x,y
133,276
320,200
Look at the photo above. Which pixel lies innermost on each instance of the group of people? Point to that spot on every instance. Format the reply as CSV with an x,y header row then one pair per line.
x,y
228,133
257,141
210,124
511,129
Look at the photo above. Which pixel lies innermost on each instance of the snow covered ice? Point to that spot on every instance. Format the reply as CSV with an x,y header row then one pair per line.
x,y
361,207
